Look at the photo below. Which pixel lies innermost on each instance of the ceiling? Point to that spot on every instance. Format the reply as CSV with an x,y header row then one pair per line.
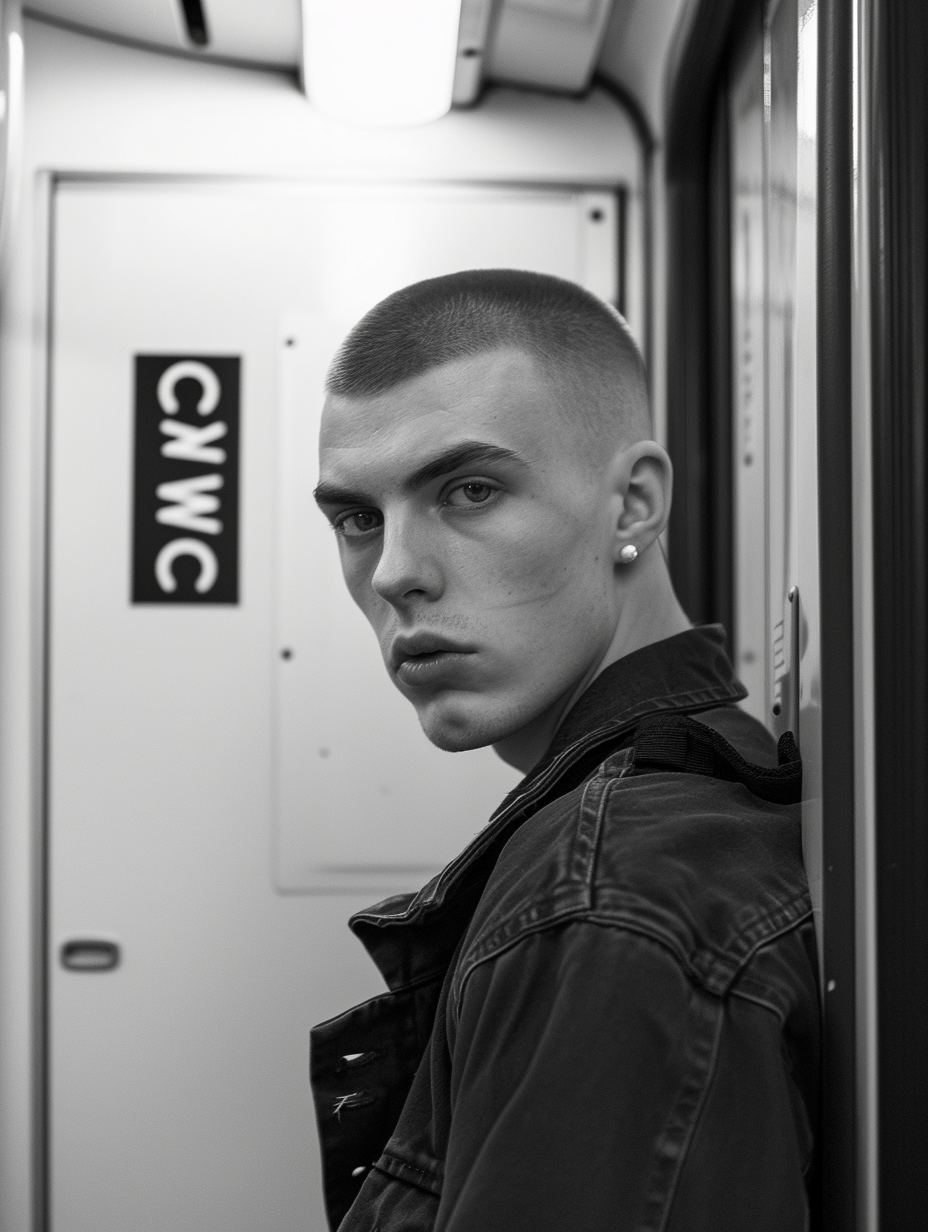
x,y
548,44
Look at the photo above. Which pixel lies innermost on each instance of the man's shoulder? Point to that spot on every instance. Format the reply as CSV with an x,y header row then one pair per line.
x,y
701,865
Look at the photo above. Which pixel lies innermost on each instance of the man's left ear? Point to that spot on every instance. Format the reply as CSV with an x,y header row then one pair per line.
x,y
641,482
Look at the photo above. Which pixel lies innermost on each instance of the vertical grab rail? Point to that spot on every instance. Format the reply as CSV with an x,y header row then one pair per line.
x,y
13,146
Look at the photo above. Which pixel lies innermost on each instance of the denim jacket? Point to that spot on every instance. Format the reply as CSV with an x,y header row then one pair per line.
x,y
604,1013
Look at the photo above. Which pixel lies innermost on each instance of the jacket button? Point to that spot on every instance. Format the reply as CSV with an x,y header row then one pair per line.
x,y
359,1171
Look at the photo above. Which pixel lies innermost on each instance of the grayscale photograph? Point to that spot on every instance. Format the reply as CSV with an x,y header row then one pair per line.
x,y
463,616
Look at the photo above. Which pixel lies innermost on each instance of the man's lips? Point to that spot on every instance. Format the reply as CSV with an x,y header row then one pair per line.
x,y
426,659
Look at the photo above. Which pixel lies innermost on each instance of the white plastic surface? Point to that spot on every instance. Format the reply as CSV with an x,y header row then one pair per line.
x,y
548,43
167,748
362,799
267,32
158,1066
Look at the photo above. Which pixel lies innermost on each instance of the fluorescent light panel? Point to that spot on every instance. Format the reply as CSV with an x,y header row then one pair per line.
x,y
380,62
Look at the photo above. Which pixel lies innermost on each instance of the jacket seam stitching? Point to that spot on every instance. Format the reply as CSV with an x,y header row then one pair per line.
x,y
759,1000
608,785
641,929
675,1142
770,919
787,927
591,857
584,915
426,1185
408,1167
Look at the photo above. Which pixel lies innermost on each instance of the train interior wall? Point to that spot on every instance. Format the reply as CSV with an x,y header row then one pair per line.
x,y
180,853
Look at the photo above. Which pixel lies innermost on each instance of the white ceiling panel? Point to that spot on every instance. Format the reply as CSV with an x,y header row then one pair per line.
x,y
547,43
264,30
148,21
550,44
267,32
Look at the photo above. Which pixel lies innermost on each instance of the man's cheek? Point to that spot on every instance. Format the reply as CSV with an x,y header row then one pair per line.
x,y
367,599
357,576
530,576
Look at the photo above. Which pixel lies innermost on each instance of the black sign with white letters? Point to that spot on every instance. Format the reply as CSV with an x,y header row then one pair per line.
x,y
185,503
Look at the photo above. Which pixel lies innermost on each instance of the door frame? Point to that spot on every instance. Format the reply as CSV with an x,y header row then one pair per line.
x,y
699,416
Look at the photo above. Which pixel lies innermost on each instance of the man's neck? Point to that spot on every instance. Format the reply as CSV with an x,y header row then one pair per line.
x,y
649,612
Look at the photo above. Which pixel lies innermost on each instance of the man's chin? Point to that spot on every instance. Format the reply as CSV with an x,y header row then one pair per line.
x,y
455,729
454,739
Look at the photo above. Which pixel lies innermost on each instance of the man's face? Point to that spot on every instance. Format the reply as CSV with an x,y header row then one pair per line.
x,y
476,536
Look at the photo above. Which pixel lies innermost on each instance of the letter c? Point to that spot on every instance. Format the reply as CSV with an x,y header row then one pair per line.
x,y
209,383
209,566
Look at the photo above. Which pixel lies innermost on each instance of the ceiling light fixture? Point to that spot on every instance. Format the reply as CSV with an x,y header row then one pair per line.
x,y
380,62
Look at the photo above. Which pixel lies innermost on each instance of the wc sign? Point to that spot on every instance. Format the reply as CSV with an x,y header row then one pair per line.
x,y
185,505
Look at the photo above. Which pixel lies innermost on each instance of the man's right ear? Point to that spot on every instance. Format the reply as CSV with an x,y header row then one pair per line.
x,y
641,481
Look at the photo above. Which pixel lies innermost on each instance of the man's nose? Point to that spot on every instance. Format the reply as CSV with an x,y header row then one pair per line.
x,y
409,567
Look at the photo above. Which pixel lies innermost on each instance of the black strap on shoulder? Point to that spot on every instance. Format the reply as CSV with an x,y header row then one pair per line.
x,y
676,742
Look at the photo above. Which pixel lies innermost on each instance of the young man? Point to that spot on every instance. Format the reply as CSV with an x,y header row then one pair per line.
x,y
603,1014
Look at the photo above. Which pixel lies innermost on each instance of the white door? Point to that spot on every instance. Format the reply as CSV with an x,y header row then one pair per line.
x,y
198,883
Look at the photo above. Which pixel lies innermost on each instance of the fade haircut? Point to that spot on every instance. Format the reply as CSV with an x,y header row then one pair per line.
x,y
580,342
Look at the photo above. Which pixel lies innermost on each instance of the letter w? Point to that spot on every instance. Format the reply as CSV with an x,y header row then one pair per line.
x,y
191,444
189,503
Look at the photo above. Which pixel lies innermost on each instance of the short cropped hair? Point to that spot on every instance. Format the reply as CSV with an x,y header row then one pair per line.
x,y
579,341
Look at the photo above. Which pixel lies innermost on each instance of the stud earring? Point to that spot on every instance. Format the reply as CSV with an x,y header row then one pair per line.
x,y
628,554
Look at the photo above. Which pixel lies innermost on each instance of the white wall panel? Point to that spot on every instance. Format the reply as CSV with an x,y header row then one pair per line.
x,y
218,1086
362,799
188,1061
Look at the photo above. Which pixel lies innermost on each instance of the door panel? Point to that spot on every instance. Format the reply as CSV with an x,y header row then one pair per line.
x,y
178,802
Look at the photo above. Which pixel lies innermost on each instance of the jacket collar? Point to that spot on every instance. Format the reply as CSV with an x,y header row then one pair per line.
x,y
685,673
689,671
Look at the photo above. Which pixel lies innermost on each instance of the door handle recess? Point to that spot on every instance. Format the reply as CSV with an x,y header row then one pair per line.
x,y
90,954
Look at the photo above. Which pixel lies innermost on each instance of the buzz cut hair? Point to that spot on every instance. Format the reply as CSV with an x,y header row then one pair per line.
x,y
581,343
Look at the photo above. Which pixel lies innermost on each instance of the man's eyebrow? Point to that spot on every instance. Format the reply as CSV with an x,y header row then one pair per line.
x,y
331,494
469,453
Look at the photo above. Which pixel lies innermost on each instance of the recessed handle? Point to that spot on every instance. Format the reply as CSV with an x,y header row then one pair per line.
x,y
89,954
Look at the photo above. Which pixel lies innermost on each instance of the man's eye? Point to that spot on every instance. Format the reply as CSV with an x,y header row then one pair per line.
x,y
472,493
353,525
